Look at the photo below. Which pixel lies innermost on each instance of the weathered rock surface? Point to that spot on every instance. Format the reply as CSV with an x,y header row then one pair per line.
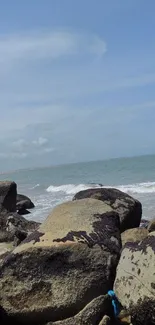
x,y
105,320
19,224
23,203
8,193
135,280
134,235
151,225
91,314
5,236
5,248
59,269
129,209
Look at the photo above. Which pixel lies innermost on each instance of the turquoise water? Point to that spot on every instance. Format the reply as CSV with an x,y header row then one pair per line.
x,y
50,186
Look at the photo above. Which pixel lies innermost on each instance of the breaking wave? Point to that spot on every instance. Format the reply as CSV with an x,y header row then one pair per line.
x,y
69,189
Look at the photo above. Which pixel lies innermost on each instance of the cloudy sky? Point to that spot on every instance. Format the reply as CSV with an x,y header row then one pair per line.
x,y
77,80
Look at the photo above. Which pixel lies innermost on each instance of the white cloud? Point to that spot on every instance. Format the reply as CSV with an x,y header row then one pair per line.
x,y
40,142
56,88
19,144
49,44
14,155
49,150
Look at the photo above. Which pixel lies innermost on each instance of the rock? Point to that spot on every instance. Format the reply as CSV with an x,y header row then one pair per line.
x,y
8,193
129,209
60,268
20,225
124,318
135,280
105,320
5,236
144,223
151,226
23,212
5,248
19,221
91,314
134,235
16,231
23,202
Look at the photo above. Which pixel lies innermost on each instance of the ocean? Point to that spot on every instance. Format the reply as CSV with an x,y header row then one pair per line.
x,y
50,186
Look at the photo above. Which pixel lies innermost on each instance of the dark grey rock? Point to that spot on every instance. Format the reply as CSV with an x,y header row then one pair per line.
x,y
8,193
20,227
91,314
23,202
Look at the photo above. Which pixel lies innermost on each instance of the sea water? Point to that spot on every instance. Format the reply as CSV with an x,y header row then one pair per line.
x,y
50,186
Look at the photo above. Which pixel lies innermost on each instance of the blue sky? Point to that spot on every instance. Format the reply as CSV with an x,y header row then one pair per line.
x,y
77,80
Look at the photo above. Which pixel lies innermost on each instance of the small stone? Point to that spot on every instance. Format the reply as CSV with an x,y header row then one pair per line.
x,y
105,320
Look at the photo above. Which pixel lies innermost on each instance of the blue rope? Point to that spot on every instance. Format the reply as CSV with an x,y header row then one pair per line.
x,y
115,302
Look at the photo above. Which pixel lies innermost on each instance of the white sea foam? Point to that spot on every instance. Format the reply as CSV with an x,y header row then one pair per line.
x,y
138,188
71,189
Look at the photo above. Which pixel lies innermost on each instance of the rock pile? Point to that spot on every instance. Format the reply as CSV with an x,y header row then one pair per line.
x,y
61,271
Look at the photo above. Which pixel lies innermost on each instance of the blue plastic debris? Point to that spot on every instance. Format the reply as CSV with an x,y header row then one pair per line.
x,y
115,302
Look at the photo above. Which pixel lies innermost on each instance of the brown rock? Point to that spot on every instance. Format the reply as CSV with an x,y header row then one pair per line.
x,y
151,226
61,268
129,209
135,280
5,249
134,235
105,320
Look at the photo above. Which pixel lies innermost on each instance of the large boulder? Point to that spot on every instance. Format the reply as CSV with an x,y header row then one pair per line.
x,y
59,269
23,203
135,280
134,235
129,209
8,193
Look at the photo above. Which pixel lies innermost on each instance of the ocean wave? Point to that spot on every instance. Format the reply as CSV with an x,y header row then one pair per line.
x,y
139,188
71,189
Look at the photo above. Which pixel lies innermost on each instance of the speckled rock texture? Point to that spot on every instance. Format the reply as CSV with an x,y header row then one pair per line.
x,y
17,224
59,269
135,280
151,225
129,209
5,248
134,235
92,314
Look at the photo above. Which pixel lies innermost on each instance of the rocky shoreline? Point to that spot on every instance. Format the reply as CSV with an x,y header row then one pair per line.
x,y
89,262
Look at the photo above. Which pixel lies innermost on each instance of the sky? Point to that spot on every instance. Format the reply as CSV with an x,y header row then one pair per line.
x,y
77,81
